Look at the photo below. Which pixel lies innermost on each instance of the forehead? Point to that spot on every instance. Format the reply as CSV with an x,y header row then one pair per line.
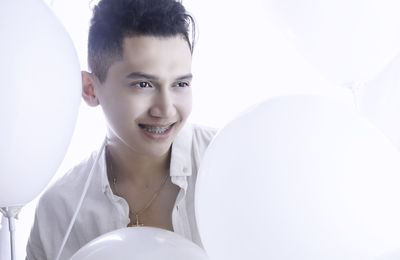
x,y
157,55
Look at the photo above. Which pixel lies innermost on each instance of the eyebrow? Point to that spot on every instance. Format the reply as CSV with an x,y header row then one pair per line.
x,y
187,76
152,77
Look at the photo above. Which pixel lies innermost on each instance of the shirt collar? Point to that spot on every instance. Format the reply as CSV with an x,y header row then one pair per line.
x,y
102,164
180,166
181,163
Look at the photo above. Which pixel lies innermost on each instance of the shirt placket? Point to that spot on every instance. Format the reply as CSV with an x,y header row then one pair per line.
x,y
179,214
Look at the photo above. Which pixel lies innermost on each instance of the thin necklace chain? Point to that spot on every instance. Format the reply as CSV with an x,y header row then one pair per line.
x,y
148,204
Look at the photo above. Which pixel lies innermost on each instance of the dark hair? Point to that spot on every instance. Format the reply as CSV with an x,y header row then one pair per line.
x,y
113,20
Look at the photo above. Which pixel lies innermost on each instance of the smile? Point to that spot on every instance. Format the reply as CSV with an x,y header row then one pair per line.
x,y
156,129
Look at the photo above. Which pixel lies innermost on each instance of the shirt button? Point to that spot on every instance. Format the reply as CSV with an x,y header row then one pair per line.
x,y
185,169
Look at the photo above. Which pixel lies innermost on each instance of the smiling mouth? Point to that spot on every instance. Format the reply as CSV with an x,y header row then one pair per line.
x,y
156,129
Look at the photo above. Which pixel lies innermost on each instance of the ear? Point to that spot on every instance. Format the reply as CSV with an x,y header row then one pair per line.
x,y
88,85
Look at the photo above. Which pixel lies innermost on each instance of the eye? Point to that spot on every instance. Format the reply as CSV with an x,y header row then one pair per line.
x,y
183,84
141,84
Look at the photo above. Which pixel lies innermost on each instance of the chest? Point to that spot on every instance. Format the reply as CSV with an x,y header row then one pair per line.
x,y
147,208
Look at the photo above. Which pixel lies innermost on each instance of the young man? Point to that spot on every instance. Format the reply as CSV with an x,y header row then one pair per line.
x,y
140,57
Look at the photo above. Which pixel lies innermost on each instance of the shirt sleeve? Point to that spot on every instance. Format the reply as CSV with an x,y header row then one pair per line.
x,y
48,227
34,248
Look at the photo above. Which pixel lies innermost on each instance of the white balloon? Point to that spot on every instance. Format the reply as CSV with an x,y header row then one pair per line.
x,y
347,40
299,177
379,101
140,243
40,95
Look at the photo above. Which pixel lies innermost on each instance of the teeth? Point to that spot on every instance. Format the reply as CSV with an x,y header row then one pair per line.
x,y
155,129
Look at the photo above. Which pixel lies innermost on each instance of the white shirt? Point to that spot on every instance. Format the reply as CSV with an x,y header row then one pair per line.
x,y
102,211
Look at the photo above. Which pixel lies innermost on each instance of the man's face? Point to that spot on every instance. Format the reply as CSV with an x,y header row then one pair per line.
x,y
146,96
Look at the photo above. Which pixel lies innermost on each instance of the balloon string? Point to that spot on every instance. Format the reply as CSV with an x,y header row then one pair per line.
x,y
355,88
11,213
71,224
11,227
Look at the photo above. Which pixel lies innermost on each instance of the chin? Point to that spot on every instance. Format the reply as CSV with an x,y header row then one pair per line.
x,y
160,152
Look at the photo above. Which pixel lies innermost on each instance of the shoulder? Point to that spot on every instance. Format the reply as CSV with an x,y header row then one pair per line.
x,y
75,177
202,135
201,138
54,211
190,144
63,192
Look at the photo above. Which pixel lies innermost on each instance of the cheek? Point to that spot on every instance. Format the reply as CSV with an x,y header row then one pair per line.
x,y
122,110
185,105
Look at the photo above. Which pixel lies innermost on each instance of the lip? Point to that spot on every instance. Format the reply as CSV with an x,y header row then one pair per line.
x,y
157,125
157,136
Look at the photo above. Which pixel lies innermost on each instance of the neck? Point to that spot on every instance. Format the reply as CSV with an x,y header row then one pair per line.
x,y
128,166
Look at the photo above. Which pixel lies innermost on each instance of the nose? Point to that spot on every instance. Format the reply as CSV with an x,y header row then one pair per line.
x,y
163,105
